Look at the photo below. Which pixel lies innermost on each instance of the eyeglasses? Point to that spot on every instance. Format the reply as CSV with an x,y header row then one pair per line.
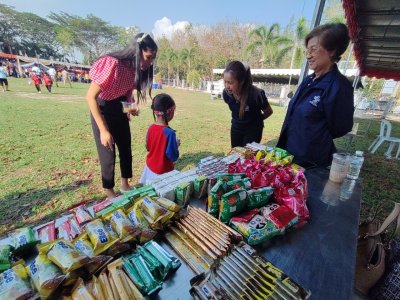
x,y
311,50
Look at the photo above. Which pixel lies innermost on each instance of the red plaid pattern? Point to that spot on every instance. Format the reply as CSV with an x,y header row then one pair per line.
x,y
114,77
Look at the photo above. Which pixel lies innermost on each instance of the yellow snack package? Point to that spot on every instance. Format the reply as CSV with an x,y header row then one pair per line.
x,y
80,292
14,283
155,214
126,230
168,204
83,244
97,290
66,257
135,214
45,275
99,236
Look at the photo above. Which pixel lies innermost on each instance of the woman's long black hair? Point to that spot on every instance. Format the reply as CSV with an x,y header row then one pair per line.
x,y
131,54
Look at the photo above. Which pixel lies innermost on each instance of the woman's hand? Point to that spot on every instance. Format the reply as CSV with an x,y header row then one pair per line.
x,y
107,140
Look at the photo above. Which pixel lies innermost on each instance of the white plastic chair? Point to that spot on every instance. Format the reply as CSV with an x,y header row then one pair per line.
x,y
384,136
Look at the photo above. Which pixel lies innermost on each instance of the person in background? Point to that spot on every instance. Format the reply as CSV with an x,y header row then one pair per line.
x,y
53,74
3,78
114,77
65,77
36,69
36,81
248,104
322,107
161,141
47,81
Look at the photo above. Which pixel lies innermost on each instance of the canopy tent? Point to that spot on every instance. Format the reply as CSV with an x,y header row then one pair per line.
x,y
374,28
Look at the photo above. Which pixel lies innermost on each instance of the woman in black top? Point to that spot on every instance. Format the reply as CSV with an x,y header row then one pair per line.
x,y
248,104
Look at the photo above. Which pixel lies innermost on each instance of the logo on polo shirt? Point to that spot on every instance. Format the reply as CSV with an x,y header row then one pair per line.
x,y
316,100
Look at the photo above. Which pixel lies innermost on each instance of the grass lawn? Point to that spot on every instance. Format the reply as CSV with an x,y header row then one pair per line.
x,y
49,160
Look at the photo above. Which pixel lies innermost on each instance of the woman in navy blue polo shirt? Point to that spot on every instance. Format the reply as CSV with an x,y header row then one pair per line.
x,y
323,105
248,104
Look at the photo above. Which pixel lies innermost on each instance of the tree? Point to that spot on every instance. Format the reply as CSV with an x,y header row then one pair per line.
x,y
299,36
272,46
193,78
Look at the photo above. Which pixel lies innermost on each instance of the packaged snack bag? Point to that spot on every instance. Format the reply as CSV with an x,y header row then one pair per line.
x,y
83,244
99,236
155,214
229,177
244,183
81,214
168,204
24,240
232,203
200,186
69,229
125,229
257,230
45,275
257,198
66,257
14,284
135,214
5,253
214,198
47,232
81,292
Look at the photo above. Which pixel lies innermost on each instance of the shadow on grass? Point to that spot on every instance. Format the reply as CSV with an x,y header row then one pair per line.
x,y
20,209
192,159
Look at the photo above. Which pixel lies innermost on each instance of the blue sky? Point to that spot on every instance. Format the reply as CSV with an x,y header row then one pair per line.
x,y
145,14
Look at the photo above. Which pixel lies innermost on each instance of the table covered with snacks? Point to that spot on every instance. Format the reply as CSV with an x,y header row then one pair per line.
x,y
250,225
320,256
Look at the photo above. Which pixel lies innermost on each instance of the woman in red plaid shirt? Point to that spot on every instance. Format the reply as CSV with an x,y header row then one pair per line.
x,y
113,78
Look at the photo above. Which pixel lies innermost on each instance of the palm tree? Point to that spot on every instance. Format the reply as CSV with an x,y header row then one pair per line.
x,y
300,33
180,61
270,43
171,57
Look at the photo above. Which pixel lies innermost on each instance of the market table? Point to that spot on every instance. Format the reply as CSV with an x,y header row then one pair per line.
x,y
320,256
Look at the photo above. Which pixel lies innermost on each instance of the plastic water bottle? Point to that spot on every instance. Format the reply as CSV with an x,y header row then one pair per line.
x,y
355,165
346,190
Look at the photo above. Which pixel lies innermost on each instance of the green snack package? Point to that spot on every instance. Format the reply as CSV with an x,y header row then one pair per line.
x,y
259,197
5,252
153,264
231,204
183,192
24,240
151,285
280,153
244,183
133,274
200,186
230,177
214,197
166,259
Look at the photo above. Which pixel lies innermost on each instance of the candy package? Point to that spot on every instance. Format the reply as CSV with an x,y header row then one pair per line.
x,y
168,204
66,257
183,193
45,275
244,183
200,187
68,229
14,284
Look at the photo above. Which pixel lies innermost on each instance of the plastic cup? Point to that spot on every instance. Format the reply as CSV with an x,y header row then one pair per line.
x,y
339,168
129,107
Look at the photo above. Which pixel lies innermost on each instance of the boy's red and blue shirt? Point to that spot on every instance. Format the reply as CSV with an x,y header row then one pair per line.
x,y
162,148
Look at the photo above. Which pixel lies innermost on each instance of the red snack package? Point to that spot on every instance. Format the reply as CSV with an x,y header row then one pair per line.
x,y
282,216
47,232
81,214
102,205
246,216
69,229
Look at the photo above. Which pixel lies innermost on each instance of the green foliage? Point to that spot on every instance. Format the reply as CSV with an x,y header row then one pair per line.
x,y
194,78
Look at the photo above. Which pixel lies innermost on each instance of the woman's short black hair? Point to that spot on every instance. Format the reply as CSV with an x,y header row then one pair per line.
x,y
333,37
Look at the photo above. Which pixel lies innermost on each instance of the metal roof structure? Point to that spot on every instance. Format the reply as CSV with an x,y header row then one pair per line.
x,y
374,27
281,76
